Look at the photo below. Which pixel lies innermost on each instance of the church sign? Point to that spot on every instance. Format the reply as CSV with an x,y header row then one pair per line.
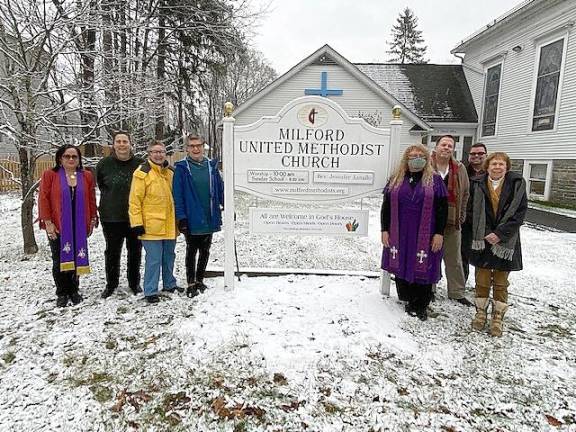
x,y
311,152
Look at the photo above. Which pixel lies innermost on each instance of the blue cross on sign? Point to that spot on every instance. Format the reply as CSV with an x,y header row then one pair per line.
x,y
323,90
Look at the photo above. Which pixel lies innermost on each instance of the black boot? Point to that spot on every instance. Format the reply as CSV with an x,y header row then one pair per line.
x,y
62,301
201,287
136,289
108,291
76,298
410,309
152,299
422,314
192,290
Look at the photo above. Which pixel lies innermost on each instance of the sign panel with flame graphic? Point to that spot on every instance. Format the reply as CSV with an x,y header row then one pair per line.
x,y
311,151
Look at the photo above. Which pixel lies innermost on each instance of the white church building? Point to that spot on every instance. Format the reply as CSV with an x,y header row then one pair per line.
x,y
521,70
515,91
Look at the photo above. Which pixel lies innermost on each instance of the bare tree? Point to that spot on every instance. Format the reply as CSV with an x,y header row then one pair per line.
x,y
244,74
74,70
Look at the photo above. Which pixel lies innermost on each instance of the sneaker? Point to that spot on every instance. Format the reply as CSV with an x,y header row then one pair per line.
x,y
201,287
152,299
192,291
174,288
76,298
136,290
464,301
62,301
108,291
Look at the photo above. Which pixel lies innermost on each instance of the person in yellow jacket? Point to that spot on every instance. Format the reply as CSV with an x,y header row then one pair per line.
x,y
152,218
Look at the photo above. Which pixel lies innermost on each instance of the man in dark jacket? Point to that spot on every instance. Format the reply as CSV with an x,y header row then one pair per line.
x,y
475,168
198,199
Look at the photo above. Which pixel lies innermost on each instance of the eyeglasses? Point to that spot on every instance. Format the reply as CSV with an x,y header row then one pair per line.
x,y
157,151
477,154
198,146
73,157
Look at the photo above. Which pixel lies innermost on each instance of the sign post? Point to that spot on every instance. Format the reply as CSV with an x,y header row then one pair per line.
x,y
395,130
228,160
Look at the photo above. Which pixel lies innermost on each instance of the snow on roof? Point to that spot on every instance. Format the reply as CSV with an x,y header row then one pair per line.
x,y
437,93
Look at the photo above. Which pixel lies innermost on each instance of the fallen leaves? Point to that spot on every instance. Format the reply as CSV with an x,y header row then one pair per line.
x,y
553,421
135,399
280,379
292,406
237,411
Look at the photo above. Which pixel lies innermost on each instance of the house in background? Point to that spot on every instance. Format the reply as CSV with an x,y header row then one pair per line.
x,y
435,99
521,70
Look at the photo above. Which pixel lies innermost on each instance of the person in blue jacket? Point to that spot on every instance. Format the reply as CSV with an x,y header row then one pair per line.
x,y
198,192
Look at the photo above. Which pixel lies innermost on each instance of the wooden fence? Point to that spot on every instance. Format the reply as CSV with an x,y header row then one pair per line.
x,y
10,171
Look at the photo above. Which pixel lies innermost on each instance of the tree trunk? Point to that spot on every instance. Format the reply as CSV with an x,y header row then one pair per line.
x,y
26,221
161,69
88,115
27,165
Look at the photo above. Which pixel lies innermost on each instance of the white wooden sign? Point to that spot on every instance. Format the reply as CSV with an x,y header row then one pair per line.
x,y
313,152
339,222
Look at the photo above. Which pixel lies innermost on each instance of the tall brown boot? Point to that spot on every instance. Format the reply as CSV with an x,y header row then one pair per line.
x,y
479,320
498,311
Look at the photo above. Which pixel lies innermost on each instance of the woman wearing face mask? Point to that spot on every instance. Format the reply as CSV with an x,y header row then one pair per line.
x,y
413,217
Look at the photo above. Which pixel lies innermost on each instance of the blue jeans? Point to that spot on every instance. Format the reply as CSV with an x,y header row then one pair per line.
x,y
159,255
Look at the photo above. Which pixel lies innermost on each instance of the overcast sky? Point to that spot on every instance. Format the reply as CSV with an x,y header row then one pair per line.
x,y
359,29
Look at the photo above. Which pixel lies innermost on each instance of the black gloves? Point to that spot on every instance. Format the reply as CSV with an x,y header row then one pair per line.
x,y
183,226
138,230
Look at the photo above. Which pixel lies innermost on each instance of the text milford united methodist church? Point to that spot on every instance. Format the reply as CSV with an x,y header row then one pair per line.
x,y
515,91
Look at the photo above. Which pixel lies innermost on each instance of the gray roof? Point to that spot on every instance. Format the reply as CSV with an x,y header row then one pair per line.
x,y
436,93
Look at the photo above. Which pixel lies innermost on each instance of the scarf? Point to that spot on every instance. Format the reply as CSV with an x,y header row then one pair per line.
x,y
503,249
73,236
453,191
424,230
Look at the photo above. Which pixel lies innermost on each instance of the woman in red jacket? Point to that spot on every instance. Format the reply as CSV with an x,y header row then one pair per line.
x,y
67,211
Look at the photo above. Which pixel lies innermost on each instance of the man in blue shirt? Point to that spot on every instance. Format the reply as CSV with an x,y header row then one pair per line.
x,y
198,199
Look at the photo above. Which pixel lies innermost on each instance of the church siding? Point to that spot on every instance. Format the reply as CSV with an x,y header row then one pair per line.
x,y
358,100
514,134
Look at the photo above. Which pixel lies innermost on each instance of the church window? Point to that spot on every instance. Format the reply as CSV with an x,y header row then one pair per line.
x,y
547,85
491,96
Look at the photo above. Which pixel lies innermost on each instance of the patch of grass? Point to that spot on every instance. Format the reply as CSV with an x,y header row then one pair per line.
x,y
121,310
41,314
102,393
554,330
552,204
8,357
95,378
111,344
331,408
241,426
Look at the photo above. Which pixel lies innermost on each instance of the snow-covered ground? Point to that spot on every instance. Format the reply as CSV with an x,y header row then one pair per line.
x,y
290,353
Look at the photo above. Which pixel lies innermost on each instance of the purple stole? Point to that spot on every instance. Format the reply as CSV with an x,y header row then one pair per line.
x,y
73,236
425,225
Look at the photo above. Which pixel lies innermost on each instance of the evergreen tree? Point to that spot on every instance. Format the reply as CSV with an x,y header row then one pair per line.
x,y
406,46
